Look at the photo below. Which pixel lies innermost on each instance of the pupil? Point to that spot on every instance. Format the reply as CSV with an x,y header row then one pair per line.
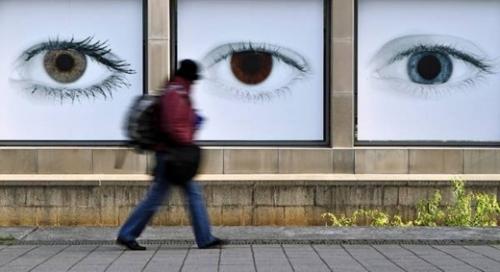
x,y
429,67
251,63
65,62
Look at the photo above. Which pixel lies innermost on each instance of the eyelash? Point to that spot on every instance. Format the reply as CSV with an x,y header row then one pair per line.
x,y
104,89
96,50
225,51
479,63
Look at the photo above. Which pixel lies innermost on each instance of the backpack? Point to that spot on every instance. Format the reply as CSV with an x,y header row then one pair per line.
x,y
141,124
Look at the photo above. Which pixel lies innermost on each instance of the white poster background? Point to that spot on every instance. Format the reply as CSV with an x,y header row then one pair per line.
x,y
294,24
26,23
469,112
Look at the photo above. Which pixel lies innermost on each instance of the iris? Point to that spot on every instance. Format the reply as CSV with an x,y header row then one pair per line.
x,y
429,67
65,66
251,67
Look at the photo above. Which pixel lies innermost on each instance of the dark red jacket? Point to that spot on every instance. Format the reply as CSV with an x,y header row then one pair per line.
x,y
176,113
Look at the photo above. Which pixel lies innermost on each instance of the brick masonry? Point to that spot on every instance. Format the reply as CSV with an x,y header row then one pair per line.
x,y
229,202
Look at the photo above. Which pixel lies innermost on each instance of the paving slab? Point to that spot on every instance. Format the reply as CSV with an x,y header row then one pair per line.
x,y
241,258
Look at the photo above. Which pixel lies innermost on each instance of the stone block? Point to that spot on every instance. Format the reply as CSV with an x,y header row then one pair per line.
x,y
436,161
295,216
151,163
176,197
323,196
110,214
343,161
215,214
18,161
54,196
212,161
49,216
391,196
158,63
118,161
9,216
265,195
343,19
305,161
342,120
265,216
20,196
381,161
158,19
358,196
8,196
313,215
36,197
343,66
236,216
161,217
250,161
87,217
410,196
232,195
482,161
64,161
295,195
178,216
122,213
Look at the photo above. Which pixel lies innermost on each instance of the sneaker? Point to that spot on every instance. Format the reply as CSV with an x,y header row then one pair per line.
x,y
132,245
214,244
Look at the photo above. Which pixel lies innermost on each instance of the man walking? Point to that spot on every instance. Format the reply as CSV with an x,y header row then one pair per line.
x,y
177,120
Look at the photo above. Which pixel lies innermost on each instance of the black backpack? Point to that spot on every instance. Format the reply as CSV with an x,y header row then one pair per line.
x,y
142,124
143,130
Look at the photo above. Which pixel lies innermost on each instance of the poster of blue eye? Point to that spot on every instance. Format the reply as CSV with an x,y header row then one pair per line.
x,y
263,67
69,68
428,70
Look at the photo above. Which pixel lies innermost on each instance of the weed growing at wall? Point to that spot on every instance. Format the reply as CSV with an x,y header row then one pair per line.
x,y
467,210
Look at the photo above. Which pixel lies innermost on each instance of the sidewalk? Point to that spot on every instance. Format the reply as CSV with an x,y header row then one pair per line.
x,y
256,249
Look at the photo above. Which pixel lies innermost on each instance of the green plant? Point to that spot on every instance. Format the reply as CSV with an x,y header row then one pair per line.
x,y
373,218
7,239
467,209
429,212
333,221
460,213
486,210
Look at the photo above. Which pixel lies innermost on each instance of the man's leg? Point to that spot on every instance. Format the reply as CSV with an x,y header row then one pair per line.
x,y
139,218
199,215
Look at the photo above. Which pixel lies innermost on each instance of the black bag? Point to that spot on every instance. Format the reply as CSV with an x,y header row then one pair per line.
x,y
141,124
181,163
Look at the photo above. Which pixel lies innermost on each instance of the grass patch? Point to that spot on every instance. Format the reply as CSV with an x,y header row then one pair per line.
x,y
7,239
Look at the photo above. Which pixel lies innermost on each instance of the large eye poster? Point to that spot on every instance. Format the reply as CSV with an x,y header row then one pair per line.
x,y
69,69
428,70
263,68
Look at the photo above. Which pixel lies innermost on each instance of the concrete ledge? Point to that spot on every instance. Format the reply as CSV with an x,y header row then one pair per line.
x,y
253,177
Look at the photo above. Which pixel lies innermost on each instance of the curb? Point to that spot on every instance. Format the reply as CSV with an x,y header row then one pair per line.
x,y
270,241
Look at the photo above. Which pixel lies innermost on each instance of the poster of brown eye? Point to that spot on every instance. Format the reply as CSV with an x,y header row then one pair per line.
x,y
429,70
263,67
69,69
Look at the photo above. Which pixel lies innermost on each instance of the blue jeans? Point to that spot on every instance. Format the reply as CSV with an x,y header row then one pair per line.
x,y
156,195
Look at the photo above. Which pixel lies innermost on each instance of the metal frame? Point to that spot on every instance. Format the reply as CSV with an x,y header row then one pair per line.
x,y
327,34
97,143
390,143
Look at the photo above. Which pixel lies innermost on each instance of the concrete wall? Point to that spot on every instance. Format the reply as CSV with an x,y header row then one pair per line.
x,y
251,200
